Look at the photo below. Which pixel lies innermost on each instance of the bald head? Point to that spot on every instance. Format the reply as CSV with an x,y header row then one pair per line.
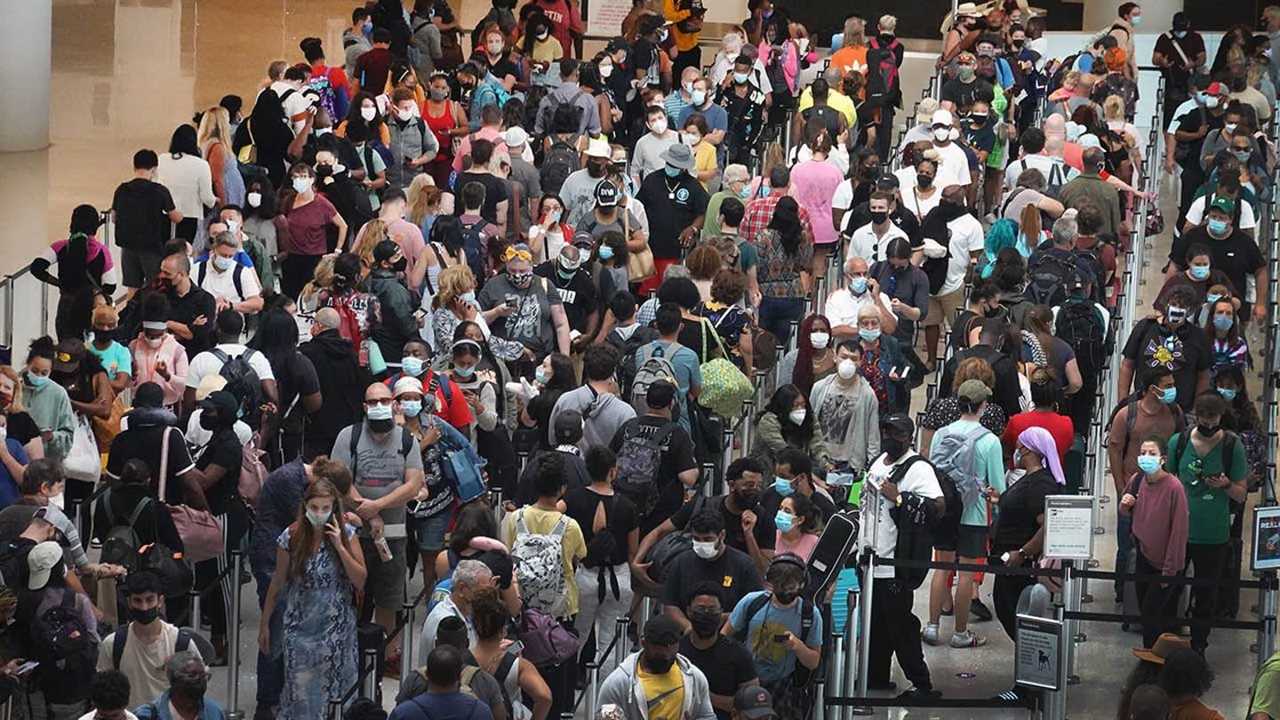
x,y
1055,124
377,391
328,318
855,266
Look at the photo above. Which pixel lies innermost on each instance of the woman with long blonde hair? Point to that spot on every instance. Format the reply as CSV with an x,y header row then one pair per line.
x,y
319,567
214,138
374,232
422,200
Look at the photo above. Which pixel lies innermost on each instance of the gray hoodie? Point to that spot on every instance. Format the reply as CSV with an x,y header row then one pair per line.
x,y
622,688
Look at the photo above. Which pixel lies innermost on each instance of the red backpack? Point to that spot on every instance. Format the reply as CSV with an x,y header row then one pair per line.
x,y
882,71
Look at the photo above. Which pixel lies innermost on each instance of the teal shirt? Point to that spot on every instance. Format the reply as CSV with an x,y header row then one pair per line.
x,y
115,359
1209,507
989,458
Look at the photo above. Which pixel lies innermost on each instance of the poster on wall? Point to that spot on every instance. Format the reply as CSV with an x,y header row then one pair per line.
x,y
604,17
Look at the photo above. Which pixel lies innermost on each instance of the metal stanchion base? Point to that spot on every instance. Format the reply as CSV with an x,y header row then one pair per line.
x,y
1099,531
1086,599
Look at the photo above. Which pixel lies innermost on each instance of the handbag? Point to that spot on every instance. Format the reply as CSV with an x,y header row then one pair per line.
x,y
724,386
83,461
199,530
248,154
106,429
640,263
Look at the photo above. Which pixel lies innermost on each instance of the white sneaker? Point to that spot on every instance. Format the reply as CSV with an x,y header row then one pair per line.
x,y
967,639
930,635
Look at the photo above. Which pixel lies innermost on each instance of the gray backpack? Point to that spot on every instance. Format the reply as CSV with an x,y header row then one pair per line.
x,y
956,455
651,366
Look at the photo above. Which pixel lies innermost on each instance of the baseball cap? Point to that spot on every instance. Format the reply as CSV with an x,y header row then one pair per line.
x,y
568,427
900,423
753,702
515,137
606,194
662,630
942,117
973,390
222,401
1217,88
1224,204
616,44
67,355
41,561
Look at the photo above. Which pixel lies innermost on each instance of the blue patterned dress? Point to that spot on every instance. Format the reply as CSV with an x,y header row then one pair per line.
x,y
319,635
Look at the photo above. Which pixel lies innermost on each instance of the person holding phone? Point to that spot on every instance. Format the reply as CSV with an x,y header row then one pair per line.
x,y
319,568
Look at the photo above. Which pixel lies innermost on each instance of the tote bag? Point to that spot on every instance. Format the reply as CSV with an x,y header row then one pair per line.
x,y
82,461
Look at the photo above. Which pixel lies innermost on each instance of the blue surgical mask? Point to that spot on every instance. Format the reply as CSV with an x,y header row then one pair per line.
x,y
318,519
411,408
1199,272
1169,395
698,97
858,285
869,335
1217,227
37,381
784,521
468,297
745,192
672,172
606,252
1227,394
540,376
378,412
783,486
464,372
1148,464
740,78
1223,322
1212,298
411,365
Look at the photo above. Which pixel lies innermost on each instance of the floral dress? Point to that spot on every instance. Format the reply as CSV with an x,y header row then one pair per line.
x,y
319,635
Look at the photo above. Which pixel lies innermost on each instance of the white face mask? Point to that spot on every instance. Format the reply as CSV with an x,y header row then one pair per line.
x,y
302,184
798,415
606,69
233,226
705,550
368,113
846,369
658,126
155,342
404,114
223,264
819,340
942,134
254,199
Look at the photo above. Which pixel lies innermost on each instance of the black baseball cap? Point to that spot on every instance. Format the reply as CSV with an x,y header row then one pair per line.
x,y
898,422
606,194
754,702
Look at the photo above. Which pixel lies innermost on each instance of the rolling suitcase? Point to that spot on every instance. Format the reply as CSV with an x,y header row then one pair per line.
x,y
831,553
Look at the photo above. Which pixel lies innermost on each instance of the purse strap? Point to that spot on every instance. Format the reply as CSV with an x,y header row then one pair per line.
x,y
708,326
164,460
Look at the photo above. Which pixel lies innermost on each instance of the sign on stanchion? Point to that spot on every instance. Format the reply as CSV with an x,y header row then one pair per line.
x,y
1266,538
1068,527
1036,658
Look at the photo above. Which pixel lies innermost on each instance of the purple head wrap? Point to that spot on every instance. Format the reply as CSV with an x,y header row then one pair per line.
x,y
1039,440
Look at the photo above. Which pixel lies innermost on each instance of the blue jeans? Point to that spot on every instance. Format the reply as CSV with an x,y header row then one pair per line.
x,y
271,662
776,315
1124,544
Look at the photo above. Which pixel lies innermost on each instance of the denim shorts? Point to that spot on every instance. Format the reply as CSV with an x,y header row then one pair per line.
x,y
430,531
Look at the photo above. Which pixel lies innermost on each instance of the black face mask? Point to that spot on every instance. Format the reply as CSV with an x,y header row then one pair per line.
x,y
993,312
787,597
1207,430
400,265
208,420
324,171
892,447
747,500
657,666
596,169
706,622
879,216
146,617
924,181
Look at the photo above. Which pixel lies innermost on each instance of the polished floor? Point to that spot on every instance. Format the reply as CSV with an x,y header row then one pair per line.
x,y
125,73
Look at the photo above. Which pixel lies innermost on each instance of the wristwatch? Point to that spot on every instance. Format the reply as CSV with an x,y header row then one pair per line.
x,y
898,501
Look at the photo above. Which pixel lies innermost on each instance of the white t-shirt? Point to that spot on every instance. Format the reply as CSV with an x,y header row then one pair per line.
x,y
222,284
143,663
914,134
189,181
864,243
1195,213
842,306
843,199
966,238
197,437
295,104
953,168
875,519
206,363
1045,164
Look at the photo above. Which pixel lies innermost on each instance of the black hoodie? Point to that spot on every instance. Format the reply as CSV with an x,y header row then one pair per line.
x,y
342,385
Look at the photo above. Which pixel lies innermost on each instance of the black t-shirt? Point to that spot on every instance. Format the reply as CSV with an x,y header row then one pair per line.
x,y
578,293
644,56
734,537
142,215
1179,72
495,191
581,505
1019,505
186,309
733,572
295,377
144,443
225,451
1192,122
672,206
964,94
1236,255
727,665
1185,352
676,458
20,427
981,139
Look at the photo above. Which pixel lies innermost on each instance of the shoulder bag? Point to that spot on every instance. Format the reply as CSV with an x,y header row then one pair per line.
x,y
199,530
640,264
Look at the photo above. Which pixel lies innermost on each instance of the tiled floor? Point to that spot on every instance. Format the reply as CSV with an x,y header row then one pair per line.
x,y
125,73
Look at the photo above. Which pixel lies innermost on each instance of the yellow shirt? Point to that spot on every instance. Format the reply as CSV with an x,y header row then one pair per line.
x,y
704,159
838,102
664,694
683,41
574,548
546,51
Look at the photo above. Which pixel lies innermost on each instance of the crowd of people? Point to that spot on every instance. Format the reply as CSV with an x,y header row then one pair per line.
x,y
481,322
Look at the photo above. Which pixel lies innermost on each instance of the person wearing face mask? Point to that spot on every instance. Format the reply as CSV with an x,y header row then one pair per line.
x,y
156,356
1088,187
1156,504
847,411
447,121
798,527
1189,124
567,277
724,660
712,560
529,310
675,201
1178,53
859,289
695,135
1210,461
232,284
658,682
386,463
1232,251
318,563
647,157
412,145
953,163
46,401
374,65
185,697
355,39
154,640
308,216
872,240
1200,276
966,87
386,282
1228,187
1230,348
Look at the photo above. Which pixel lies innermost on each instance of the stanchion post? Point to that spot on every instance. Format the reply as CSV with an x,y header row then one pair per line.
x,y
620,640
708,479
335,709
406,644
233,650
195,608
748,430
864,628
835,673
795,337
646,609
370,682
593,670
852,638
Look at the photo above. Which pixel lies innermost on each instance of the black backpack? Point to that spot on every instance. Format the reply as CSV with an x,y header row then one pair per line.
x,y
782,97
628,349
1080,325
174,572
120,547
560,162
66,650
640,463
666,551
473,240
242,380
1048,277
915,540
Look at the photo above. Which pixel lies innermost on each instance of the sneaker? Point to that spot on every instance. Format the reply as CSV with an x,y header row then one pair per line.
x,y
930,635
967,639
979,611
919,695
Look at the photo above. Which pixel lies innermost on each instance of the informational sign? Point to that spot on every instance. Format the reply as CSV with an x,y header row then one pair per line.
x,y
1036,653
604,17
1266,538
1068,527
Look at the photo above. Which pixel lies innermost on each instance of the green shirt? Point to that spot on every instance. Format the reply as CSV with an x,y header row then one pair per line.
x,y
1266,689
1210,509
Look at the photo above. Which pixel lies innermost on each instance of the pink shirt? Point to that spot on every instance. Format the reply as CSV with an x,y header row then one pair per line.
x,y
409,237
802,547
491,134
813,184
144,366
1160,523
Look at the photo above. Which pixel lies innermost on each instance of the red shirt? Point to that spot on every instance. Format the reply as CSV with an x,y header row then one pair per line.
x,y
336,76
1059,426
759,212
372,68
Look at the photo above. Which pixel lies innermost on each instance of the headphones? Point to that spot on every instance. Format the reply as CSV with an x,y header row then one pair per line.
x,y
787,559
